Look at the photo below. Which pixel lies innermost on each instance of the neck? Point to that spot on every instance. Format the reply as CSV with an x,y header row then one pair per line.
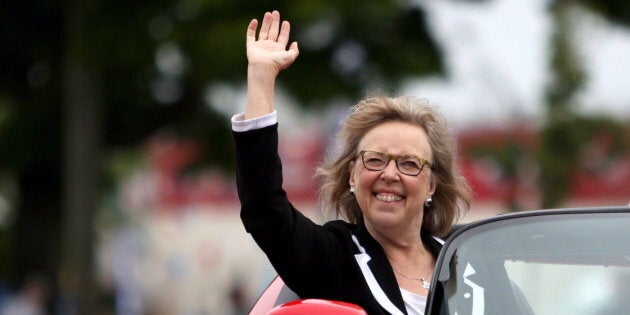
x,y
405,243
409,255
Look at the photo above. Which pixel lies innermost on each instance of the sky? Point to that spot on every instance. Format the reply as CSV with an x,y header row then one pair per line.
x,y
496,55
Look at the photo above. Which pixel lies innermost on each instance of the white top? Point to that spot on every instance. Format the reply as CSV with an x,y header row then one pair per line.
x,y
414,303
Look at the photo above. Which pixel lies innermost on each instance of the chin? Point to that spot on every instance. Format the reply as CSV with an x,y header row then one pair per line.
x,y
385,219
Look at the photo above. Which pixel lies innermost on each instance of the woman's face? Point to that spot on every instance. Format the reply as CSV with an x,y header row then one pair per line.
x,y
390,200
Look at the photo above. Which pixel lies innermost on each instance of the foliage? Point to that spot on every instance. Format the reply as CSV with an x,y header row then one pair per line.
x,y
559,144
565,133
151,64
157,61
616,11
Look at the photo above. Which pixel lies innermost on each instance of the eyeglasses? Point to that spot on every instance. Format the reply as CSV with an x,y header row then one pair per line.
x,y
406,164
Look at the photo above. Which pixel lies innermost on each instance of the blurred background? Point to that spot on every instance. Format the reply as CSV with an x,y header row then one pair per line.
x,y
117,191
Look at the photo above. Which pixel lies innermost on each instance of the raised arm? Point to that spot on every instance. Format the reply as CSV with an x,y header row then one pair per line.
x,y
267,55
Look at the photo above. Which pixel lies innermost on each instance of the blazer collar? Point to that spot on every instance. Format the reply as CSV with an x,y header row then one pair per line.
x,y
382,269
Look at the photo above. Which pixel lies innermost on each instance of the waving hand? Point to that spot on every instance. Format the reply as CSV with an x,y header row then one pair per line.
x,y
267,55
270,48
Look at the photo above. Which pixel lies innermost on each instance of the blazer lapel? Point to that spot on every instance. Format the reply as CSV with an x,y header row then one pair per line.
x,y
381,269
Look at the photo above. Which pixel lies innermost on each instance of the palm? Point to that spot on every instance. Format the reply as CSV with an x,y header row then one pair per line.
x,y
268,52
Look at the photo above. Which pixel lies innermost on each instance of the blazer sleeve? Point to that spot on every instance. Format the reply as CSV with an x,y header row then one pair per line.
x,y
303,253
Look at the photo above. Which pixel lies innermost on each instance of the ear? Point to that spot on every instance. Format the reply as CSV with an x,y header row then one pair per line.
x,y
351,172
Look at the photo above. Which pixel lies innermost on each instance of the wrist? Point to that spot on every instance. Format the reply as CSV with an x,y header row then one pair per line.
x,y
260,90
262,72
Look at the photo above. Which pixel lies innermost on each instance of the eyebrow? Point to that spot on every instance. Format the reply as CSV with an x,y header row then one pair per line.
x,y
397,155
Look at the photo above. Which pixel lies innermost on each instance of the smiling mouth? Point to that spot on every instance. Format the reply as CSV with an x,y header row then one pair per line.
x,y
388,197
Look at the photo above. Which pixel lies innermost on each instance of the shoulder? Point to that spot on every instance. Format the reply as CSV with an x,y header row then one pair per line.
x,y
343,231
340,226
434,243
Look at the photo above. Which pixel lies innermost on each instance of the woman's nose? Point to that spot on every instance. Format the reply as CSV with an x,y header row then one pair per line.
x,y
390,172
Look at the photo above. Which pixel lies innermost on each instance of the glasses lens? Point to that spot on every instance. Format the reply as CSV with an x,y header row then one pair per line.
x,y
409,165
374,161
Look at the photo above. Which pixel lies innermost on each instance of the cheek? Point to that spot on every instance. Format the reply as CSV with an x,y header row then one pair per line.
x,y
363,182
425,188
363,177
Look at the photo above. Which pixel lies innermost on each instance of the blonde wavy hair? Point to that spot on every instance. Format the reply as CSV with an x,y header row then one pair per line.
x,y
452,195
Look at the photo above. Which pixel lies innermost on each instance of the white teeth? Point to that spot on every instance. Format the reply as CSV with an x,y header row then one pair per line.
x,y
388,197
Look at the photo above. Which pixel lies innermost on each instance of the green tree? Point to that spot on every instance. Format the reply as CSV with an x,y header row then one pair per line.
x,y
563,134
559,145
81,78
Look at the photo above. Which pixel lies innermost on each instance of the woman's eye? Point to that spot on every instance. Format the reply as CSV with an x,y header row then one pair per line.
x,y
409,164
374,161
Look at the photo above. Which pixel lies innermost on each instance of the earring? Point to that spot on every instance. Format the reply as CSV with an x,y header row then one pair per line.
x,y
352,190
428,203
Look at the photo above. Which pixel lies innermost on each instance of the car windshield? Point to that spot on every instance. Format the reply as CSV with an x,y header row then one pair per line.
x,y
542,264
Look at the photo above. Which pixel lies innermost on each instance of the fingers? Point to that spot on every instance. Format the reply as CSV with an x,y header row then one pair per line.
x,y
275,25
270,29
250,35
294,49
264,28
283,37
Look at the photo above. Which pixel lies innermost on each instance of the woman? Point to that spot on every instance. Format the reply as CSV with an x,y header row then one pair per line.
x,y
394,182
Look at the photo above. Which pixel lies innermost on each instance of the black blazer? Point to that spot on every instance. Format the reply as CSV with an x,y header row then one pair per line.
x,y
336,261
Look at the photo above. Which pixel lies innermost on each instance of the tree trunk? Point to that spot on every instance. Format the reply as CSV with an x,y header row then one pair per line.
x,y
81,116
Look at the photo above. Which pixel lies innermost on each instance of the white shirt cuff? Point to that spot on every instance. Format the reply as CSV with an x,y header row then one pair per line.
x,y
240,124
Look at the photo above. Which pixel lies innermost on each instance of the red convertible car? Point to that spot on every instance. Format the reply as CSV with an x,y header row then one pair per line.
x,y
561,261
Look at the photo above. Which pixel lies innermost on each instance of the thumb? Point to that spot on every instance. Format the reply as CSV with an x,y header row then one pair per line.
x,y
294,49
